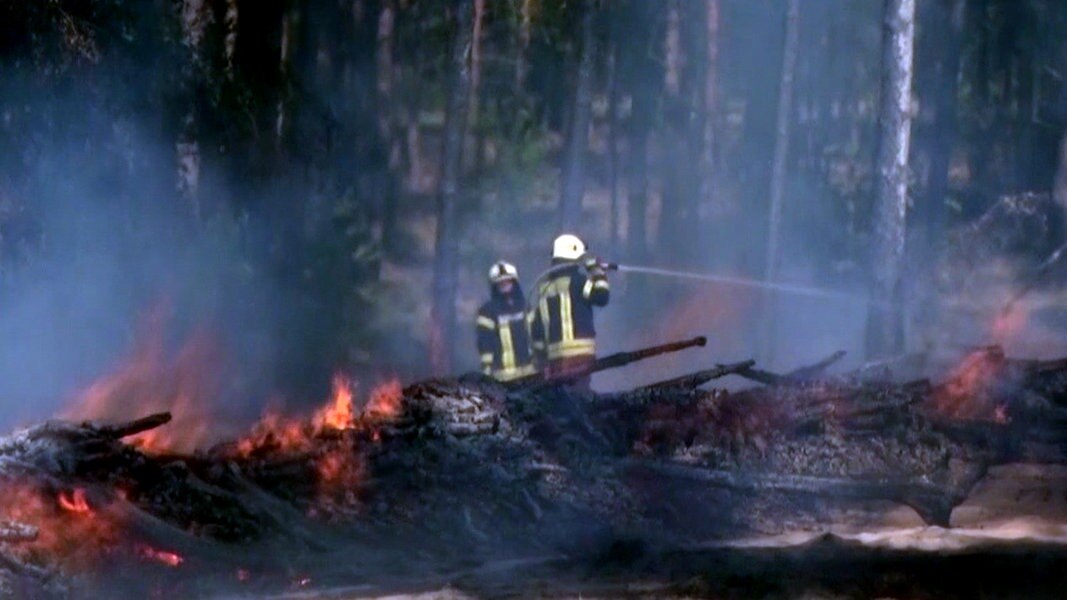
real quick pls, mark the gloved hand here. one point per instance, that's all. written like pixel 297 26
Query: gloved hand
pixel 594 266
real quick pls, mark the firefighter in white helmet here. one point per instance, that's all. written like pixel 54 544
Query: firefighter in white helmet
pixel 561 324
pixel 503 340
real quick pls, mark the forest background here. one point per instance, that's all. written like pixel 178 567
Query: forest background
pixel 322 184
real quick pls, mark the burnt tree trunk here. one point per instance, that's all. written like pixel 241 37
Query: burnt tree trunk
pixel 778 170
pixel 446 244
pixel 573 186
pixel 884 319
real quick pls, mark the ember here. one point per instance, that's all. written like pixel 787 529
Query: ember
pixel 74 502
pixel 169 559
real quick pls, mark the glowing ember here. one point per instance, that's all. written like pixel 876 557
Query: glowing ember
pixel 74 502
pixel 65 522
pixel 169 559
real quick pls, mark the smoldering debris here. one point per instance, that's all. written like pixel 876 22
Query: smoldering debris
pixel 522 471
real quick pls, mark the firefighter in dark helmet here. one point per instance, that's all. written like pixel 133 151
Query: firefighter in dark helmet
pixel 503 340
pixel 561 324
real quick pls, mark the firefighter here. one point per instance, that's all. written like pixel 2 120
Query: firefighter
pixel 561 323
pixel 503 340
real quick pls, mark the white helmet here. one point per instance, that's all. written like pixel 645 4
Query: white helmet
pixel 568 247
pixel 502 271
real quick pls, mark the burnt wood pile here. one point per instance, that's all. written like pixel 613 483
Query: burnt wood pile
pixel 521 468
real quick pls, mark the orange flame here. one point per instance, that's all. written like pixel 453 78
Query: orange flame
pixel 74 502
pixel 385 400
pixel 338 413
pixel 150 381
pixel 966 393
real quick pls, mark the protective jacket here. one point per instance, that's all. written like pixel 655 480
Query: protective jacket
pixel 503 340
pixel 561 324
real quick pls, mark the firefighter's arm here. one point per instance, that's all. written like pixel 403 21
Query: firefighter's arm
pixel 486 336
pixel 595 290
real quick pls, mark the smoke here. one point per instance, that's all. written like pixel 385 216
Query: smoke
pixel 94 237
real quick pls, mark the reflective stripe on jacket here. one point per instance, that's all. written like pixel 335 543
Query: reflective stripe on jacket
pixel 503 341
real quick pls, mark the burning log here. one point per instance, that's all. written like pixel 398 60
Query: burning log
pixel 121 430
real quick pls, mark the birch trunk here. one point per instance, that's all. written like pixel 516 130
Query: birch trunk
pixel 885 323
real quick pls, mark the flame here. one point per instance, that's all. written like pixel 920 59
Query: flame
pixel 966 393
pixel 149 381
pixel 330 438
pixel 385 400
pixel 338 413
pixel 74 502
pixel 170 559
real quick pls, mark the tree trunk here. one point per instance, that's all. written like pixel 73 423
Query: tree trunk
pixel 672 135
pixel 613 142
pixel 472 138
pixel 446 245
pixel 778 172
pixel 884 319
pixel 387 122
pixel 521 62
pixel 639 77
pixel 573 185
pixel 1059 183
pixel 685 115
pixel 944 44
pixel 195 16
pixel 230 40
pixel 710 101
